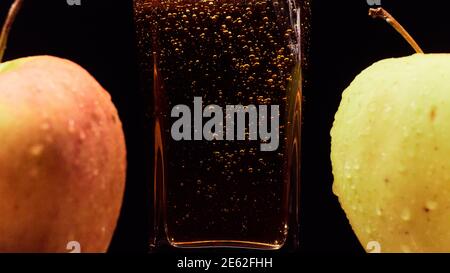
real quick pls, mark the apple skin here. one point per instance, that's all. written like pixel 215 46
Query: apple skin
pixel 62 158
pixel 390 152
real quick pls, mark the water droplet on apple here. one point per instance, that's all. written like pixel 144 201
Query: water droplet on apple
pixel 45 126
pixel 36 150
pixel 82 135
pixel 49 139
pixel 431 205
pixel 34 172
pixel 379 212
pixel 71 125
pixel 405 249
pixel 405 215
pixel 387 109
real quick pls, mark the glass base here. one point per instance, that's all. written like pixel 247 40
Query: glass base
pixel 226 244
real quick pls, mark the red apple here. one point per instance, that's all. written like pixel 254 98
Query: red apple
pixel 62 158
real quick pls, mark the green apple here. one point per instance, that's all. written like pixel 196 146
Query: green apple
pixel 62 158
pixel 390 153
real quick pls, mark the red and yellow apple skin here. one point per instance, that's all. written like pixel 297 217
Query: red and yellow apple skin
pixel 62 158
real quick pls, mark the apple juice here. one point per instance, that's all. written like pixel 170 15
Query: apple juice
pixel 225 78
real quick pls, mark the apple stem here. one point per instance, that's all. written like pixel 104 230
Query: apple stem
pixel 383 14
pixel 13 11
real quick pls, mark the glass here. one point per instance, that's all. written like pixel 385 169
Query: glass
pixel 225 83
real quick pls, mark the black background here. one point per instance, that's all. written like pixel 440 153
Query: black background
pixel 99 35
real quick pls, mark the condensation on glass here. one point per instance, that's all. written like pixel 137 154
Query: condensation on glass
pixel 228 52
